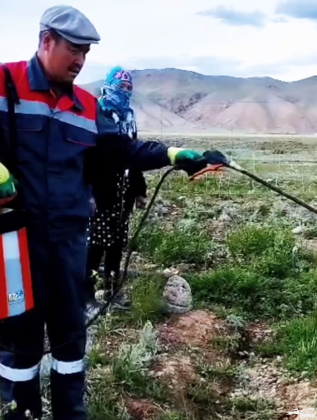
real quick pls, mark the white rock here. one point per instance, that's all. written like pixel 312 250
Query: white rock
pixel 298 230
pixel 167 272
pixel 178 295
pixel 100 295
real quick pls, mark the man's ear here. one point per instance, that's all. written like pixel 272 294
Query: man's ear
pixel 46 40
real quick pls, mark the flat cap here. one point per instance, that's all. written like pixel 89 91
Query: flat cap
pixel 71 24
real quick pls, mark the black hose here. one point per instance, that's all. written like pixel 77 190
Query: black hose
pixel 276 189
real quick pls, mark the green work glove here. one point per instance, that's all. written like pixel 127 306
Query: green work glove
pixel 188 160
pixel 7 184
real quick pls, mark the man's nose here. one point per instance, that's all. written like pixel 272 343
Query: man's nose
pixel 80 60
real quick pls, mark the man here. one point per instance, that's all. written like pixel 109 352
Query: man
pixel 63 144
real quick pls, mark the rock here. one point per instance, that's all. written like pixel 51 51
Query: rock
pixel 161 210
pixel 224 218
pixel 298 230
pixel 182 268
pixel 230 209
pixel 309 245
pixel 100 295
pixel 178 296
pixel 167 272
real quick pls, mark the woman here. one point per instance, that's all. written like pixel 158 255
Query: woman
pixel 108 228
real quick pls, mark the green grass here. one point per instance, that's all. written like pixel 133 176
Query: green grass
pixel 265 278
pixel 231 185
pixel 147 298
pixel 180 243
pixel 251 270
pixel 296 341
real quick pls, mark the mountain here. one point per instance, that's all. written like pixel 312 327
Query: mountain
pixel 174 100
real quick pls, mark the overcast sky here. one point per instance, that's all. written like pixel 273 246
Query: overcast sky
pixel 252 38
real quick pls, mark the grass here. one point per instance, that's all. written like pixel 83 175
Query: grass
pixel 123 375
pixel 296 341
pixel 265 278
pixel 242 262
pixel 147 300
pixel 179 243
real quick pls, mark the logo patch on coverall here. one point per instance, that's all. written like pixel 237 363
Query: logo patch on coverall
pixel 16 297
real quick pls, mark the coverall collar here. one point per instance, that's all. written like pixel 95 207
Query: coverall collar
pixel 39 82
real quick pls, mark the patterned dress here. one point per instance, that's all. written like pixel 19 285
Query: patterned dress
pixel 110 227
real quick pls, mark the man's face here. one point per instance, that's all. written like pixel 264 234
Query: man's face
pixel 64 60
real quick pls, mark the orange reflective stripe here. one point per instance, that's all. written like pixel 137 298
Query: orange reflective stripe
pixel 25 269
pixel 4 310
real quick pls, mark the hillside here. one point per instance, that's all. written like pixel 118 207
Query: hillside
pixel 172 99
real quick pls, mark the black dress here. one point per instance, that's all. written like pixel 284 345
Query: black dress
pixel 108 228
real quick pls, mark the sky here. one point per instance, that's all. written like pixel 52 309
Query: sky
pixel 243 38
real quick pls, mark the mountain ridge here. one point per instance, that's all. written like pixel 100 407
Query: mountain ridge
pixel 179 99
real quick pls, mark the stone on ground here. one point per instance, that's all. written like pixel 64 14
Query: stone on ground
pixel 177 295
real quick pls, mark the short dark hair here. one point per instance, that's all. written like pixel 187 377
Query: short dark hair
pixel 57 37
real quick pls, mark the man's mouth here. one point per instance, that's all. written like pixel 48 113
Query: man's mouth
pixel 74 72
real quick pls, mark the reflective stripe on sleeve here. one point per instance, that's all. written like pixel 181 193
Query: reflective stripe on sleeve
pixel 67 368
pixel 19 375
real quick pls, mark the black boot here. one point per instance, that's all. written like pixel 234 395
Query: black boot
pixel 20 398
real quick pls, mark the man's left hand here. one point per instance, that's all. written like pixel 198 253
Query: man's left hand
pixel 188 160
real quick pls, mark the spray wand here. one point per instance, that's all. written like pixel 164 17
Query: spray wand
pixel 216 160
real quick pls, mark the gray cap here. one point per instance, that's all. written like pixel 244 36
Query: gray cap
pixel 69 23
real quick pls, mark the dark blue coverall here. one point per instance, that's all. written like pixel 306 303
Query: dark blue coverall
pixel 62 151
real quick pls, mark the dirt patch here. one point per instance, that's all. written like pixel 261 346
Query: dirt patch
pixel 267 380
pixel 112 341
pixel 141 409
pixel 300 396
pixel 194 329
pixel 178 370
pixel 258 333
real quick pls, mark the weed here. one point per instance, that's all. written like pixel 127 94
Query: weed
pixel 131 363
pixel 269 249
pixel 251 408
pixel 181 243
pixel 147 300
pixel 297 341
pixel 105 401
